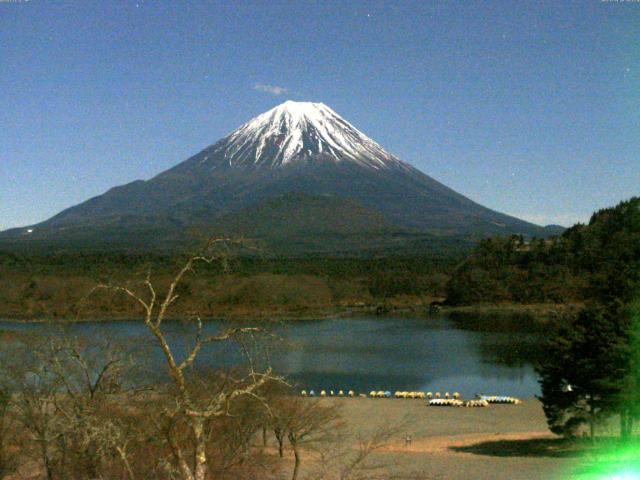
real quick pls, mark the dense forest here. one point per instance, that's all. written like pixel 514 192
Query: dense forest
pixel 573 267
pixel 57 286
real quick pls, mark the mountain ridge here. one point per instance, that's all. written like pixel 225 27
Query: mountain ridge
pixel 296 147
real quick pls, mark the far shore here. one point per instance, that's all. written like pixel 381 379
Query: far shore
pixel 539 313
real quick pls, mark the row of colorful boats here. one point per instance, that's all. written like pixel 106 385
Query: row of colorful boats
pixel 436 400
pixel 481 401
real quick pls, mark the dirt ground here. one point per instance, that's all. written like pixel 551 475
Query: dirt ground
pixel 499 442
pixel 496 442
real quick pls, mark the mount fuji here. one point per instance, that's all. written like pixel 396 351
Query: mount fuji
pixel 299 177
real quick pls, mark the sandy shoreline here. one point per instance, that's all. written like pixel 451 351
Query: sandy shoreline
pixel 497 442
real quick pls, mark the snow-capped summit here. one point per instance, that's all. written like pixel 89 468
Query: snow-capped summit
pixel 300 131
pixel 298 176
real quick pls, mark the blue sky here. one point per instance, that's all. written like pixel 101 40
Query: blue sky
pixel 530 108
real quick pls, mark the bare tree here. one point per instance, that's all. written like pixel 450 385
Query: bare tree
pixel 359 465
pixel 64 389
pixel 93 376
pixel 303 422
pixel 310 422
pixel 189 407
pixel 231 451
pixel 6 461
pixel 346 455
pixel 34 404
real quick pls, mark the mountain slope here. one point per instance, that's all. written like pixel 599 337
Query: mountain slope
pixel 296 147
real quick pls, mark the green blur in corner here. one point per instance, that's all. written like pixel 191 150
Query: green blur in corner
pixel 619 462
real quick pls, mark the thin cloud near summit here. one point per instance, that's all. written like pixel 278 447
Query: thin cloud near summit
pixel 272 89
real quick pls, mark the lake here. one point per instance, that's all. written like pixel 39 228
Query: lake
pixel 363 354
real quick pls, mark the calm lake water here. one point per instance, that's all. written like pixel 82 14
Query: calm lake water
pixel 362 354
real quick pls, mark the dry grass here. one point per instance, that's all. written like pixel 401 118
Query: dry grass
pixel 262 295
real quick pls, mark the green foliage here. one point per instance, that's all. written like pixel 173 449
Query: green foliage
pixel 596 261
pixel 510 269
pixel 583 371
pixel 598 355
pixel 610 252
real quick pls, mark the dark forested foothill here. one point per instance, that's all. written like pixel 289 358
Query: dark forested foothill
pixel 586 261
pixel 512 269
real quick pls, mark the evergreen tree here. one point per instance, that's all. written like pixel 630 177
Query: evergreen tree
pixel 583 373
pixel 629 398
pixel 592 369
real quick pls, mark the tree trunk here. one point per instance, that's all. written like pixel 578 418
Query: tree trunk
pixel 592 421
pixel 624 417
pixel 123 456
pixel 280 438
pixel 296 465
pixel 48 471
pixel 626 424
pixel 264 435
pixel 44 451
pixel 185 470
pixel 197 424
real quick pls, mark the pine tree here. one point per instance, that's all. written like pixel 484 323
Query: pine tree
pixel 583 374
